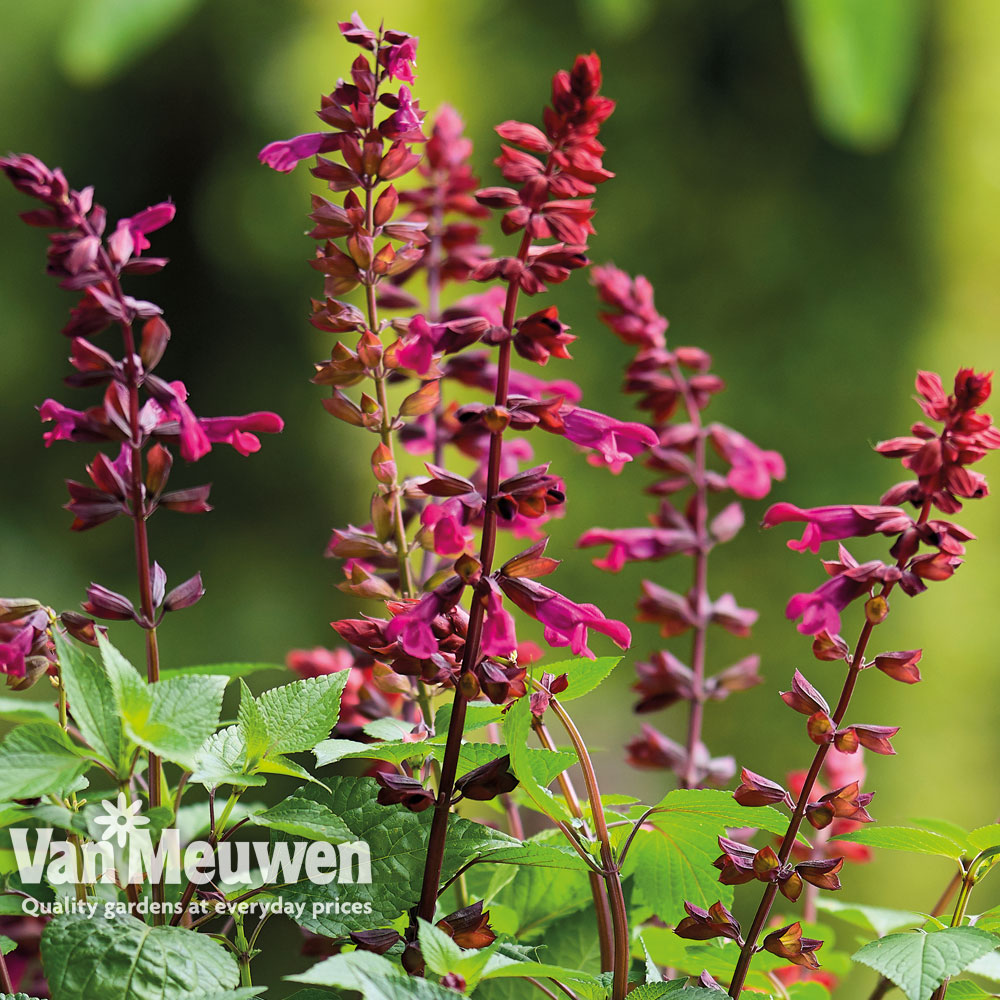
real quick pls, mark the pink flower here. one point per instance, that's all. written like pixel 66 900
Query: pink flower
pixel 411 626
pixel 285 156
pixel 637 321
pixel 419 344
pixel 499 637
pixel 824 524
pixel 636 545
pixel 241 432
pixel 146 221
pixel 445 520
pixel 566 622
pixel 615 441
pixel 820 609
pixel 400 59
pixel 14 651
pixel 752 468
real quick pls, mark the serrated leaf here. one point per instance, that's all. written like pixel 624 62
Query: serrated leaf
pixel 7 945
pixel 984 837
pixel 126 959
pixel 252 726
pixel 477 715
pixel 231 670
pixel 397 840
pixel 443 955
pixel 275 763
pixel 221 760
pixel 374 977
pixel 387 729
pixel 302 817
pixel 582 983
pixel 301 714
pixel 918 963
pixel 38 759
pixel 652 991
pixel 965 990
pixel 906 838
pixel 23 709
pixel 943 826
pixel 516 730
pixel 92 702
pixel 539 897
pixel 870 918
pixel 584 675
pixel 173 718
pixel 988 966
pixel 126 682
pixel 717 809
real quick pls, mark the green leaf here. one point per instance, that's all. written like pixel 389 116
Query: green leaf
pixel 943 826
pixel 374 977
pixel 870 918
pixel 252 726
pixel 651 991
pixel 477 715
pixel 918 963
pixel 126 682
pixel 584 675
pixel 443 955
pixel 585 985
pixel 221 760
pixel 24 709
pixel 516 729
pixel 92 701
pixel 715 808
pixel 6 945
pixel 245 993
pixel 397 840
pixel 387 728
pixel 301 714
pixel 38 759
pixel 906 838
pixel 984 837
pixel 965 990
pixel 126 959
pixel 861 59
pixel 231 670
pixel 102 37
pixel 302 817
pixel 573 942
pixel 173 718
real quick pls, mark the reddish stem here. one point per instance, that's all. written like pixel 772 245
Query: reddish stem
pixel 764 909
pixel 139 516
pixel 689 779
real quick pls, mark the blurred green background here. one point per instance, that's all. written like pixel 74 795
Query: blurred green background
pixel 814 189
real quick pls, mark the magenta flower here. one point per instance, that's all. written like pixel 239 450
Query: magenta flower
pixel 499 636
pixel 752 468
pixel 285 156
pixel 451 538
pixel 411 626
pixel 399 60
pixel 419 344
pixel 566 623
pixel 13 653
pixel 615 441
pixel 241 432
pixel 824 524
pixel 820 609
pixel 637 544
pixel 146 221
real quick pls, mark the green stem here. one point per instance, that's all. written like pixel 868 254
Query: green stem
pixel 242 951
pixel 612 876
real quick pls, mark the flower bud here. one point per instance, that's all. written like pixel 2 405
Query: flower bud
pixel 876 610
pixel 369 350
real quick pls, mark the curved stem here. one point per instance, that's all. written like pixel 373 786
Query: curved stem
pixel 5 981
pixel 784 852
pixel 602 907
pixel 612 876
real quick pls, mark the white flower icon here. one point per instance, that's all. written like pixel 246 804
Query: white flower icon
pixel 122 819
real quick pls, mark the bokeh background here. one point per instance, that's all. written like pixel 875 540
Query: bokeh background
pixel 812 186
